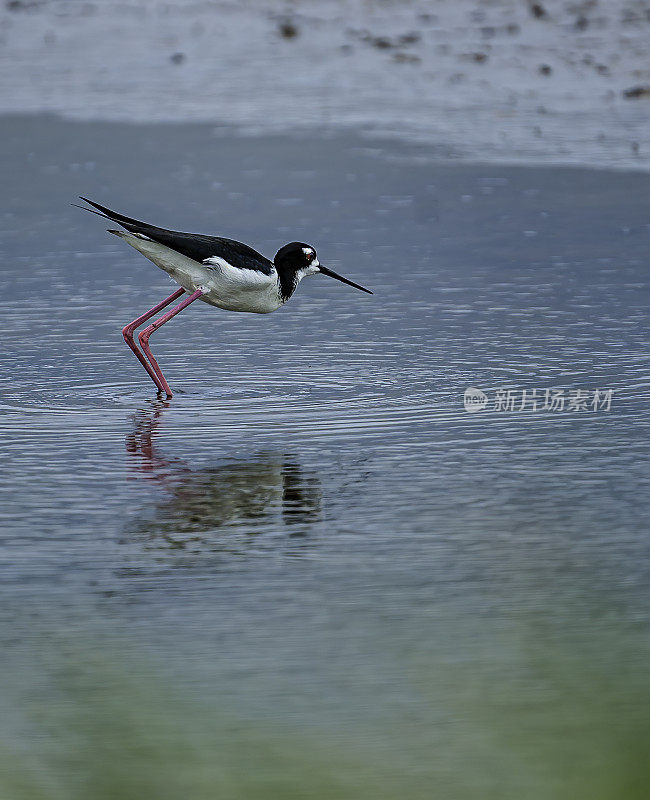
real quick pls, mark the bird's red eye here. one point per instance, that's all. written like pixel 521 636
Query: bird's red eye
pixel 310 256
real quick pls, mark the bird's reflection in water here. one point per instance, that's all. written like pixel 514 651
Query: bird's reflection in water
pixel 260 494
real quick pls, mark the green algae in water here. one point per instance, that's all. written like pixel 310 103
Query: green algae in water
pixel 540 721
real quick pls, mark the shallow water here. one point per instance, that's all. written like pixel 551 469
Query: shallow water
pixel 313 532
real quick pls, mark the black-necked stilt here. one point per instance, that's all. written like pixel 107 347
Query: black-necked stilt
pixel 221 272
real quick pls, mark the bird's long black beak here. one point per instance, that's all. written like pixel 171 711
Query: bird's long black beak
pixel 338 277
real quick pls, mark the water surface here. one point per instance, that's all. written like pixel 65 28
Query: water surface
pixel 313 533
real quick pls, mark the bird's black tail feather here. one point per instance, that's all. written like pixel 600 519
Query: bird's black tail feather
pixel 126 222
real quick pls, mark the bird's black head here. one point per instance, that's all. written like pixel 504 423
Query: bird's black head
pixel 295 261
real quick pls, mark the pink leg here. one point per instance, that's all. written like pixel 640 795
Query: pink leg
pixel 129 330
pixel 146 333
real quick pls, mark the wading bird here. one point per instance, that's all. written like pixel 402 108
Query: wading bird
pixel 219 271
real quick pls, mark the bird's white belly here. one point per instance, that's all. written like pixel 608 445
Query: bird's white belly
pixel 223 285
pixel 238 294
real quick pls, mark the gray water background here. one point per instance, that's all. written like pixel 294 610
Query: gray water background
pixel 313 533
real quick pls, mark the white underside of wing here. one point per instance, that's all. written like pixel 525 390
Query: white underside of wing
pixel 224 286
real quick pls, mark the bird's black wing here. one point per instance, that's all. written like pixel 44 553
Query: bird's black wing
pixel 193 245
